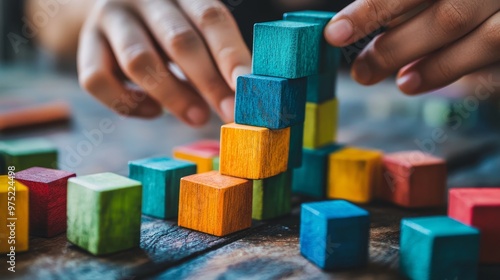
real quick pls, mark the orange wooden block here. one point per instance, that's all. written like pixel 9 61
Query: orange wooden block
pixel 202 153
pixel 35 115
pixel 413 179
pixel 253 152
pixel 215 204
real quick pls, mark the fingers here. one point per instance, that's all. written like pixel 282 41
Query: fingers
pixel 140 62
pixel 460 58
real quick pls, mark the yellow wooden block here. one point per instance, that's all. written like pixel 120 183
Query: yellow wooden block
pixel 253 152
pixel 201 153
pixel 320 126
pixel 13 216
pixel 354 174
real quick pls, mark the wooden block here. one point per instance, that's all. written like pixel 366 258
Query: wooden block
pixel 14 217
pixel 253 152
pixel 354 174
pixel 215 204
pixel 48 191
pixel 334 234
pixel 104 213
pixel 270 102
pixel 310 179
pixel 215 164
pixel 272 196
pixel 286 49
pixel 320 126
pixel 295 150
pixel 321 87
pixel 438 248
pixel 413 179
pixel 160 178
pixel 480 208
pixel 35 115
pixel 201 153
pixel 26 153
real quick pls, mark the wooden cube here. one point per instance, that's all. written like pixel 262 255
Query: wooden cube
pixel 26 153
pixel 48 191
pixel 252 152
pixel 270 102
pixel 321 87
pixel 480 208
pixel 272 196
pixel 413 179
pixel 334 234
pixel 311 178
pixel 104 213
pixel 202 153
pixel 160 178
pixel 438 248
pixel 286 49
pixel 295 149
pixel 14 216
pixel 354 174
pixel 320 127
pixel 215 204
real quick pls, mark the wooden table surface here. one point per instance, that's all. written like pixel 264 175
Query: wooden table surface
pixel 378 117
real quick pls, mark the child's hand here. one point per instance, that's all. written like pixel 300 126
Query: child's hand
pixel 445 41
pixel 137 39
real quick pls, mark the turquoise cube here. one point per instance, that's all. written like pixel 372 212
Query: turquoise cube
pixel 295 150
pixel 286 49
pixel 438 248
pixel 334 234
pixel 321 87
pixel 160 178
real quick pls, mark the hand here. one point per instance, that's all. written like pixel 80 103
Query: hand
pixel 135 40
pixel 445 41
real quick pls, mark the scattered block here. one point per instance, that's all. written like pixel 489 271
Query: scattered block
pixel 253 152
pixel 480 208
pixel 47 195
pixel 413 179
pixel 160 178
pixel 215 204
pixel 295 149
pixel 104 213
pixel 272 196
pixel 321 87
pixel 354 174
pixel 202 153
pixel 26 153
pixel 215 164
pixel 286 49
pixel 438 248
pixel 320 125
pixel 334 234
pixel 311 178
pixel 14 217
pixel 270 102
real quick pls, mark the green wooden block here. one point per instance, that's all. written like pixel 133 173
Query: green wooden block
pixel 104 213
pixel 27 153
pixel 286 49
pixel 160 178
pixel 321 87
pixel 215 163
pixel 272 196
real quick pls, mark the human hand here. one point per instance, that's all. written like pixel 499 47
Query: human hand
pixel 445 41
pixel 135 40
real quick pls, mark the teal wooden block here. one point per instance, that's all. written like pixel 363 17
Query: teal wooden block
pixel 270 102
pixel 27 153
pixel 272 196
pixel 215 163
pixel 311 178
pixel 321 87
pixel 160 178
pixel 104 213
pixel 286 49
pixel 438 248
pixel 295 150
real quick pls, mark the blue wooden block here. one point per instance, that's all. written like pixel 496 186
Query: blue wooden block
pixel 286 49
pixel 438 248
pixel 160 179
pixel 334 234
pixel 295 150
pixel 270 102
pixel 321 87
pixel 311 178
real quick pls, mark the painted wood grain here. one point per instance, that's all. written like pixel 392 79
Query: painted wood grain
pixel 14 216
pixel 28 152
pixel 320 126
pixel 272 196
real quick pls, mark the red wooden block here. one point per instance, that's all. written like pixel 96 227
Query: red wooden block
pixel 47 196
pixel 413 179
pixel 480 208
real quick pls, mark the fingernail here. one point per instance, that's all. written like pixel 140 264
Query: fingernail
pixel 339 32
pixel 361 72
pixel 409 82
pixel 239 71
pixel 196 115
pixel 227 108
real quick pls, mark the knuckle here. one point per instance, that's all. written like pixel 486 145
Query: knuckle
pixel 451 18
pixel 210 14
pixel 383 54
pixel 491 33
pixel 93 80
pixel 106 8
pixel 136 61
pixel 182 39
